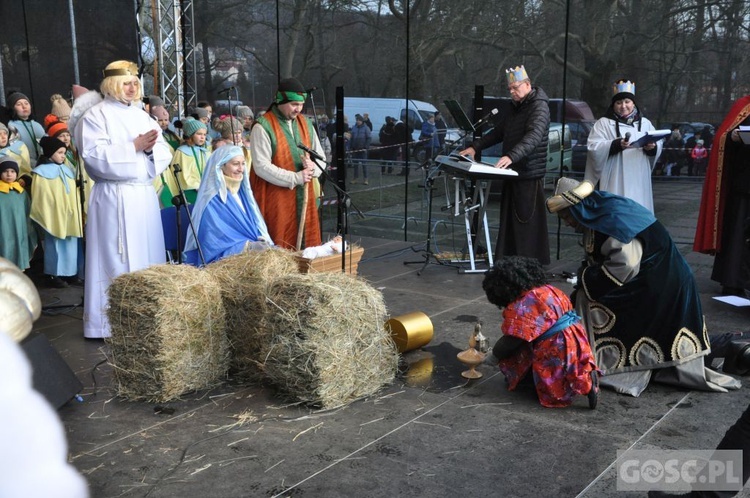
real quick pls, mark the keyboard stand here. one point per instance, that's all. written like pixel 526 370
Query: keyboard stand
pixel 466 205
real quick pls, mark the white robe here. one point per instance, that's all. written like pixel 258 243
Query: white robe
pixel 123 231
pixel 628 173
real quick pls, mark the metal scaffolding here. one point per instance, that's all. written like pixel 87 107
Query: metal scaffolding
pixel 176 55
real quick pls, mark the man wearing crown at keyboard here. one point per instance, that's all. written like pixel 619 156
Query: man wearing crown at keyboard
pixel 614 161
pixel 524 133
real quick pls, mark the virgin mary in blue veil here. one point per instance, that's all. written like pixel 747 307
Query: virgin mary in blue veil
pixel 226 216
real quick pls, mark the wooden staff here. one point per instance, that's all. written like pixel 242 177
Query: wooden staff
pixel 303 215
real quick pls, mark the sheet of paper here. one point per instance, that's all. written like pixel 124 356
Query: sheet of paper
pixel 733 300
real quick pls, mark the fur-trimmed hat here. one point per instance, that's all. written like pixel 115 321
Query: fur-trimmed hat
pixel 60 107
pixel 192 125
pixel 50 145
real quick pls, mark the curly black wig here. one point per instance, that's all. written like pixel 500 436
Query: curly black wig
pixel 511 277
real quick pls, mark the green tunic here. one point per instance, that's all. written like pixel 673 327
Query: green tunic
pixel 14 227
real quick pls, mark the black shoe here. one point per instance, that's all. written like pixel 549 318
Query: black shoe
pixel 74 280
pixel 593 394
pixel 56 282
pixel 732 291
pixel 737 358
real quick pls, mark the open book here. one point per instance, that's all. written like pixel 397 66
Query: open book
pixel 650 137
pixel 744 132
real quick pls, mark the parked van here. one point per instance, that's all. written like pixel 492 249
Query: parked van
pixel 416 113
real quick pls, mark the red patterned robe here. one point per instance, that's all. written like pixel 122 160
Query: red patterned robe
pixel 562 363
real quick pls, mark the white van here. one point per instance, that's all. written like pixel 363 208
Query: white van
pixel 416 113
pixel 379 108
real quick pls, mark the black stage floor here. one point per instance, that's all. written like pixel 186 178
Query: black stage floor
pixel 430 433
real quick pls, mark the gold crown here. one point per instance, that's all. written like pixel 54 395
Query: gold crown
pixel 515 74
pixel 568 192
pixel 623 86
pixel 121 68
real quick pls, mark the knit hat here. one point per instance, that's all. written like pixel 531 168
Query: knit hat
pixel 199 113
pixel 7 162
pixel 290 90
pixel 4 128
pixel 60 107
pixel 50 145
pixel 155 100
pixel 192 125
pixel 54 126
pixel 243 111
pixel 159 112
pixel 226 124
pixel 14 97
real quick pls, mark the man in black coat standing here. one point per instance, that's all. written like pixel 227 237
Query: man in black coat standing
pixel 524 132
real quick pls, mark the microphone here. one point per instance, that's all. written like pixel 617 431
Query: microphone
pixel 226 90
pixel 486 117
pixel 627 137
pixel 311 89
pixel 311 152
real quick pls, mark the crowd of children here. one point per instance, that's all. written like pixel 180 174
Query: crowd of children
pixel 44 187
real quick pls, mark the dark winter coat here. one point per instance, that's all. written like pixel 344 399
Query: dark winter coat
pixel 524 133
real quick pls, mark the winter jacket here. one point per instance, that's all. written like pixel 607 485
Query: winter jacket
pixel 525 134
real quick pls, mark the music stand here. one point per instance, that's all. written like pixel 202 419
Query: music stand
pixel 459 116
pixel 429 256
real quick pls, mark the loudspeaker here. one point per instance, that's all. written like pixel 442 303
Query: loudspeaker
pixel 53 378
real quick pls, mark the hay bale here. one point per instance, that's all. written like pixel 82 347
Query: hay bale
pixel 168 333
pixel 244 279
pixel 328 343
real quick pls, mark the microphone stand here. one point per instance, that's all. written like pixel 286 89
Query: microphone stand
pixel 345 201
pixel 180 200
